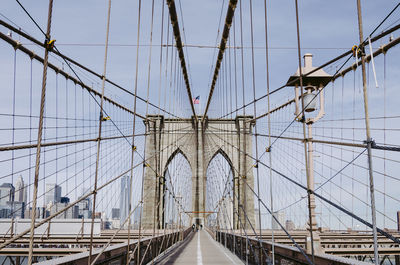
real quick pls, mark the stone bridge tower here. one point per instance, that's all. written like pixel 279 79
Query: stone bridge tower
pixel 199 143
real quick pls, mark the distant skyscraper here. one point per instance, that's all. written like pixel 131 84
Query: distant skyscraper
pixel 20 190
pixel 17 209
pixel 71 213
pixel 53 193
pixel 124 199
pixel 115 213
pixel 7 191
pixel 84 208
pixel 64 200
pixel 136 215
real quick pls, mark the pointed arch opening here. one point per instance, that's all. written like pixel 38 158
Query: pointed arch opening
pixel 177 191
pixel 220 191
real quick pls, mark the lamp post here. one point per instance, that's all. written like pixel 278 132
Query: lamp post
pixel 313 85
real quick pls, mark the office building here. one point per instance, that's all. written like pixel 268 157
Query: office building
pixel 53 193
pixel 20 190
pixel 71 213
pixel 115 213
pixel 85 208
pixel 7 192
pixel 124 199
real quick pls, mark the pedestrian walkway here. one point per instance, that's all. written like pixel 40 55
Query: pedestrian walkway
pixel 201 250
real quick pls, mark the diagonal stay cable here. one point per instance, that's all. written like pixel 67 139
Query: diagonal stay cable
pixel 341 56
pixel 261 201
pixel 328 180
pixel 69 65
pixel 382 232
pixel 63 56
pixel 16 237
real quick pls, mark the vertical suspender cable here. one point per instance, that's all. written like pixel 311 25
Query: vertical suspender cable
pixel 13 130
pixel 147 109
pixel 242 58
pixel 368 134
pixel 384 138
pixel 243 157
pixel 255 128
pixel 133 140
pixel 99 135
pixel 304 132
pixel 269 130
pixel 30 128
pixel 40 131
pixel 161 57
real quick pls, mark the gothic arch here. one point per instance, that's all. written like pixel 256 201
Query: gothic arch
pixel 225 155
pixel 172 156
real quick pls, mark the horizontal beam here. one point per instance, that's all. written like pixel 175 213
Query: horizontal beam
pixel 28 146
pixel 374 146
pixel 38 252
pixel 346 251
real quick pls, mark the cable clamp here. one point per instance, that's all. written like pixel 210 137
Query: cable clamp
pixel 268 149
pixel 17 45
pixel 33 55
pixel 133 148
pixel 358 51
pixel 49 44
pixel 102 118
pixel 301 119
pixel 371 142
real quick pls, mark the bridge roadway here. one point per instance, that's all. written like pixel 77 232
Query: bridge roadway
pixel 200 249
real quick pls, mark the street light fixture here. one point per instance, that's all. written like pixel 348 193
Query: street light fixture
pixel 313 84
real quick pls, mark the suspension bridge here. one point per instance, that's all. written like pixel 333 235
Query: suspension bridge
pixel 127 138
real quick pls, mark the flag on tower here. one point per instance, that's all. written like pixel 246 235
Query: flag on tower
pixel 196 100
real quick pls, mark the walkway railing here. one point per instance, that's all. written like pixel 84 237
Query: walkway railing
pixel 148 249
pixel 249 249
